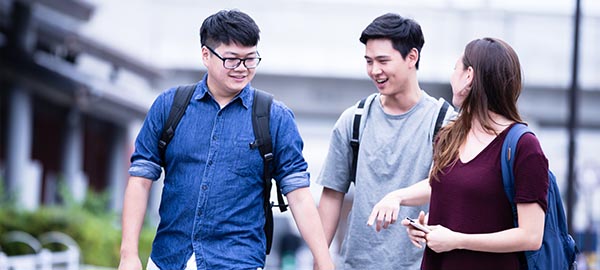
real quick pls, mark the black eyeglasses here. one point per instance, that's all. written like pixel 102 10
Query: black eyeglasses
pixel 233 63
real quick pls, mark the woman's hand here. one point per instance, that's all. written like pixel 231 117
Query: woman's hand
pixel 417 236
pixel 442 239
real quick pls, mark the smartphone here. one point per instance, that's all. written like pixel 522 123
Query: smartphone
pixel 418 225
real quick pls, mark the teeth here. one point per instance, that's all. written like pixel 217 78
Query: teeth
pixel 381 80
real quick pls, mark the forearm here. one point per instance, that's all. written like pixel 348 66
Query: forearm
pixel 511 240
pixel 528 236
pixel 134 210
pixel 310 227
pixel 330 207
pixel 414 195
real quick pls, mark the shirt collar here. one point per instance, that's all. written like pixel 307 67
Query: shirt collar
pixel 244 95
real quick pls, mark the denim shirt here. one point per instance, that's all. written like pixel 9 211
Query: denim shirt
pixel 212 199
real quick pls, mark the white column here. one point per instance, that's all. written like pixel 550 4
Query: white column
pixel 117 169
pixel 74 177
pixel 23 175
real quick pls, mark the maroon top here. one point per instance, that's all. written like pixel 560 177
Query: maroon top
pixel 470 198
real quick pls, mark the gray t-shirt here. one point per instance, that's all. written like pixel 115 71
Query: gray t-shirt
pixel 395 152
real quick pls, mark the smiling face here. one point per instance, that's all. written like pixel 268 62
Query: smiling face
pixel 224 82
pixel 390 72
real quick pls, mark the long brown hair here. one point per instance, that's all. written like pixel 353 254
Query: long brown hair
pixel 496 86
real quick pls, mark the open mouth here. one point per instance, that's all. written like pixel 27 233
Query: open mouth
pixel 238 77
pixel 381 80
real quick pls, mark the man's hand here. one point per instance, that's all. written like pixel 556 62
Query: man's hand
pixel 385 212
pixel 130 263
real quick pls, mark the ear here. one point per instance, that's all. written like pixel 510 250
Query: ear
pixel 205 55
pixel 413 57
pixel 469 73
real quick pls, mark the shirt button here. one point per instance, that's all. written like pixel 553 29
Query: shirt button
pixel 204 187
pixel 209 162
pixel 215 138
pixel 199 212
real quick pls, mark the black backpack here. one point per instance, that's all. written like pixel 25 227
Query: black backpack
pixel 355 141
pixel 261 108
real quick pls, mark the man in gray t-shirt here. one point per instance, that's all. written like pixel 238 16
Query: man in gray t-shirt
pixel 396 135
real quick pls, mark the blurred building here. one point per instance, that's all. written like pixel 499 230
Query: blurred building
pixel 76 77
pixel 61 123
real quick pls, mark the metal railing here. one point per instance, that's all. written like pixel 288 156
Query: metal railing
pixel 41 258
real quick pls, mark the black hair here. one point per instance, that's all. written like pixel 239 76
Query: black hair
pixel 404 33
pixel 227 26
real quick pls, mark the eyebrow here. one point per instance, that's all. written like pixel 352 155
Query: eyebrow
pixel 238 55
pixel 379 57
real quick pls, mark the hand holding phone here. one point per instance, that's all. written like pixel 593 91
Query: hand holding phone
pixel 418 225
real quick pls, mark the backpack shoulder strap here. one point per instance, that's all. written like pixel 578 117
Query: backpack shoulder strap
pixel 507 159
pixel 361 107
pixel 181 100
pixel 261 116
pixel 261 113
pixel 441 116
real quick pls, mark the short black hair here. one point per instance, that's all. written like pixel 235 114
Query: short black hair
pixel 227 26
pixel 404 33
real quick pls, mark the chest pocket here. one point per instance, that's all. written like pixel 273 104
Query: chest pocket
pixel 247 161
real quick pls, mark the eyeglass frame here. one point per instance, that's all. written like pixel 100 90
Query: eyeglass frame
pixel 240 60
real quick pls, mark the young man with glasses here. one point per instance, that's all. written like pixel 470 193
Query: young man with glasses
pixel 211 212
pixel 396 134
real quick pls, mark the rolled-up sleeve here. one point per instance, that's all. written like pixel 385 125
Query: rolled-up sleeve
pixel 145 169
pixel 145 160
pixel 294 181
pixel 289 166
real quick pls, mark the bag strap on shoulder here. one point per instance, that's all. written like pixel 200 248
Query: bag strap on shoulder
pixel 181 100
pixel 360 110
pixel 261 110
pixel 260 123
pixel 440 119
pixel 507 159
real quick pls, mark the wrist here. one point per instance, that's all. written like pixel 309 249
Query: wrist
pixel 398 196
pixel 128 252
pixel 460 240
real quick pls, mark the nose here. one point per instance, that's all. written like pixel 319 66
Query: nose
pixel 240 67
pixel 375 69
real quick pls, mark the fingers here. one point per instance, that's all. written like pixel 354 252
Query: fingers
pixel 405 222
pixel 376 218
pixel 416 237
pixel 372 217
pixel 422 218
pixel 416 243
pixel 382 218
pixel 385 221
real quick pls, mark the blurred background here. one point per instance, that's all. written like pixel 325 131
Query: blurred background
pixel 77 77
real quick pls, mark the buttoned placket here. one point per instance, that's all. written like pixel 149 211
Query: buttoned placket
pixel 209 172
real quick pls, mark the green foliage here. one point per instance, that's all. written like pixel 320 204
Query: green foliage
pixel 95 229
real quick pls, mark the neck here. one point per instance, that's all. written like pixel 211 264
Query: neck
pixel 221 96
pixel 402 101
